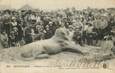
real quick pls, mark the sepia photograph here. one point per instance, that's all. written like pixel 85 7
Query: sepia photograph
pixel 57 34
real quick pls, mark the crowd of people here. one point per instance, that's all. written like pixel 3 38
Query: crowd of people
pixel 20 27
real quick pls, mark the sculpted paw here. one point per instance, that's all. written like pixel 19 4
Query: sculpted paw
pixel 42 56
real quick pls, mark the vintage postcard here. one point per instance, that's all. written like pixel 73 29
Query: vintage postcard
pixel 57 36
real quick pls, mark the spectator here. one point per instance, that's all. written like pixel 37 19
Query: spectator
pixel 4 39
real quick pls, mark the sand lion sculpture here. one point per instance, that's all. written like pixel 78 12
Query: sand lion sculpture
pixel 61 41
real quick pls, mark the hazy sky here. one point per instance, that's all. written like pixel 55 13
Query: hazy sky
pixel 54 4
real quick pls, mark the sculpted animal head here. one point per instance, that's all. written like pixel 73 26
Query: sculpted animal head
pixel 62 33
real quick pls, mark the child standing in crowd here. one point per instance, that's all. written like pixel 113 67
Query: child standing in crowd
pixel 4 39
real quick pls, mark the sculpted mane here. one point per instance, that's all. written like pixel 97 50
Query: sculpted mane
pixel 61 33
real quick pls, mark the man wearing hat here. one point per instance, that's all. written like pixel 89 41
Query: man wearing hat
pixel 89 34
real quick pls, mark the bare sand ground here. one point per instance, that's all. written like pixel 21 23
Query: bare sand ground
pixel 93 55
